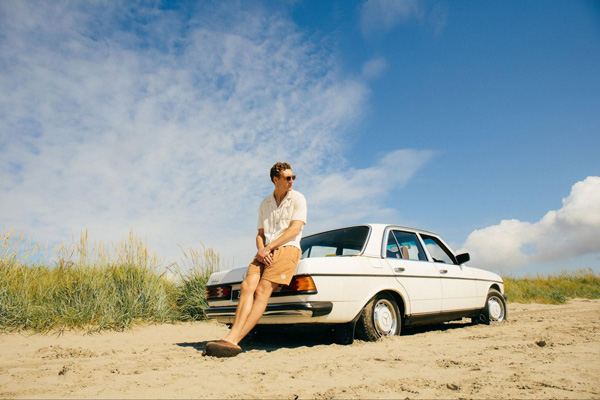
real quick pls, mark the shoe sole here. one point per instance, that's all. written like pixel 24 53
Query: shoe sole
pixel 216 349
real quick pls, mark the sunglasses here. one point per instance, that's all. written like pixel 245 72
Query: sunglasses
pixel 289 178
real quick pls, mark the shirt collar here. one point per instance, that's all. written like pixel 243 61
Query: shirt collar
pixel 285 199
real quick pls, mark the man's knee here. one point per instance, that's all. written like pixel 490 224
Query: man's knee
pixel 249 284
pixel 265 289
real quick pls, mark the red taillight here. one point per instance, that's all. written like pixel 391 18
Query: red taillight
pixel 303 284
pixel 218 292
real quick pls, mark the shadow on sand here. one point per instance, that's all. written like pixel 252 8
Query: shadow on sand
pixel 275 338
pixel 271 338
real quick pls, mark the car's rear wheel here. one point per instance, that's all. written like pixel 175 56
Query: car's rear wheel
pixel 496 306
pixel 380 317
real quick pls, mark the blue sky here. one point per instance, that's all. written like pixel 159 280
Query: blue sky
pixel 479 121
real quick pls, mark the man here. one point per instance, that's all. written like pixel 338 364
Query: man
pixel 281 217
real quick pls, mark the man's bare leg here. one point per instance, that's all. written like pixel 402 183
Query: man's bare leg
pixel 261 299
pixel 244 306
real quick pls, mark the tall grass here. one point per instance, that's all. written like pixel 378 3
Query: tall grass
pixel 198 266
pixel 90 285
pixel 553 289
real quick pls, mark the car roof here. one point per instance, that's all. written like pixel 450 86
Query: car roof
pixel 384 226
pixel 377 227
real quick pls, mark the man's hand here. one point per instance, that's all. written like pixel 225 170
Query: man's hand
pixel 265 255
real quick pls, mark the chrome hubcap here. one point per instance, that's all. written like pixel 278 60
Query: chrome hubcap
pixel 495 309
pixel 385 318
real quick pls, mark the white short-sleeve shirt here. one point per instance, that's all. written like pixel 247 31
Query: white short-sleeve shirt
pixel 275 220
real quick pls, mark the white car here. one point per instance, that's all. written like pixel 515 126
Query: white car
pixel 370 281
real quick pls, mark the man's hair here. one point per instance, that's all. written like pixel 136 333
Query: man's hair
pixel 277 168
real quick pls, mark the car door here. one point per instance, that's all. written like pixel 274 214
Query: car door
pixel 421 279
pixel 459 287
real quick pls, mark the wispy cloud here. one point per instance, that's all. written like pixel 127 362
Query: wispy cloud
pixel 359 195
pixel 382 16
pixel 374 68
pixel 438 18
pixel 571 231
pixel 166 122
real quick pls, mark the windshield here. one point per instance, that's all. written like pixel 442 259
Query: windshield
pixel 340 242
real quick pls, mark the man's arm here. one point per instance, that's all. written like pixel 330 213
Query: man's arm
pixel 264 253
pixel 291 232
pixel 260 239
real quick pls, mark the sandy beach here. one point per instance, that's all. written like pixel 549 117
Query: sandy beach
pixel 542 351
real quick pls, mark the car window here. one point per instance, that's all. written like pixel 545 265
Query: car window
pixel 437 250
pixel 404 245
pixel 340 242
pixel 322 251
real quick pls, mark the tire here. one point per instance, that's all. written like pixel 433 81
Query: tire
pixel 495 306
pixel 380 317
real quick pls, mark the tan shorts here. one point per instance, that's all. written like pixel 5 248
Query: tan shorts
pixel 281 270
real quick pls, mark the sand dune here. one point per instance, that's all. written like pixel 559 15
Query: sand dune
pixel 543 351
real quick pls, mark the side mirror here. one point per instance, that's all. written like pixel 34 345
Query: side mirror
pixel 463 258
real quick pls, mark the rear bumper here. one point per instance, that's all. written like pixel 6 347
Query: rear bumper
pixel 307 309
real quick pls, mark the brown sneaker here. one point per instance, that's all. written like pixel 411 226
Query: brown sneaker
pixel 222 348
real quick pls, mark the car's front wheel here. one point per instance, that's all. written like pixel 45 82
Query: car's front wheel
pixel 496 306
pixel 380 317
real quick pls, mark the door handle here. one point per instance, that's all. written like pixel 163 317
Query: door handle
pixel 399 269
pixel 443 271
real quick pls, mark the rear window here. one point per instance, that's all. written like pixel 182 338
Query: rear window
pixel 340 242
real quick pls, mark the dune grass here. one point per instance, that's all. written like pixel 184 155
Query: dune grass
pixel 96 286
pixel 198 266
pixel 553 289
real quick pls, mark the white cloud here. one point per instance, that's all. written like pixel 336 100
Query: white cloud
pixel 358 195
pixel 383 15
pixel 571 231
pixel 438 18
pixel 114 119
pixel 374 68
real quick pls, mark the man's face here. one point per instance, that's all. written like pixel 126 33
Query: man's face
pixel 284 181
